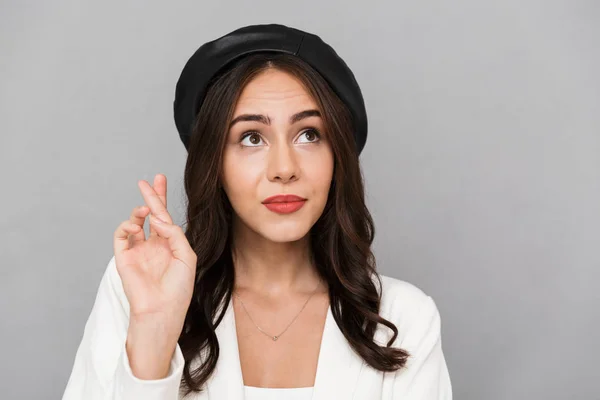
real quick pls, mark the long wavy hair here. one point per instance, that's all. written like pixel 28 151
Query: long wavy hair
pixel 340 240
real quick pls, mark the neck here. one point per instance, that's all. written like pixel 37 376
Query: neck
pixel 272 268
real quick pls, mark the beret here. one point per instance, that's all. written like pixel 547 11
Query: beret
pixel 214 56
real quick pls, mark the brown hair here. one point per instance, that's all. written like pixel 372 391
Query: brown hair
pixel 341 239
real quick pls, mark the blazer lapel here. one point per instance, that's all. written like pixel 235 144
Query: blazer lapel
pixel 227 382
pixel 338 367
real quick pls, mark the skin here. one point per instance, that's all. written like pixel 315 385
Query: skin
pixel 272 250
pixel 157 273
pixel 274 273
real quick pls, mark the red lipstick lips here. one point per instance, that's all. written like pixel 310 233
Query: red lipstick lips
pixel 284 204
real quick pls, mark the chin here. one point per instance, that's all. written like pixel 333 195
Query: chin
pixel 283 232
pixel 279 229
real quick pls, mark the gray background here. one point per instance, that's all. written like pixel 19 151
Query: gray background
pixel 482 168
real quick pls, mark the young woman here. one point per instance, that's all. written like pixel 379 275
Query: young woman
pixel 271 292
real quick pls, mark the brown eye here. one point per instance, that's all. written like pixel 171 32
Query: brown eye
pixel 312 135
pixel 253 139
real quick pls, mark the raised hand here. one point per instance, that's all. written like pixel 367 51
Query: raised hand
pixel 157 273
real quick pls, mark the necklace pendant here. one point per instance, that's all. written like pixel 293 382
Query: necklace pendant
pixel 275 338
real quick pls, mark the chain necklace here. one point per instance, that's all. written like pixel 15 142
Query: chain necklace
pixel 286 328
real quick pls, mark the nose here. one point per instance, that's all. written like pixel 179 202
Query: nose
pixel 283 165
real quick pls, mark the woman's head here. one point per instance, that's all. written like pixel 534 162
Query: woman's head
pixel 293 135
pixel 276 144
pixel 271 125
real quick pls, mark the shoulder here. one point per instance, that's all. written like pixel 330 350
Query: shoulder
pixel 399 295
pixel 405 305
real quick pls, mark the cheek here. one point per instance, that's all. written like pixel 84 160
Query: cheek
pixel 320 169
pixel 240 179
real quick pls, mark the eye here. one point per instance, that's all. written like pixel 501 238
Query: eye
pixel 254 139
pixel 312 133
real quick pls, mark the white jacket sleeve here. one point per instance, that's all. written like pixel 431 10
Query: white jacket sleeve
pixel 425 376
pixel 101 369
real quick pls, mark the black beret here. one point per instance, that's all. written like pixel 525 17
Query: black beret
pixel 213 56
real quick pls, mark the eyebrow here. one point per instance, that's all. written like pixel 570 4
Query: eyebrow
pixel 267 121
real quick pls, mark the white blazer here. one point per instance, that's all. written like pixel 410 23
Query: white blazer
pixel 101 369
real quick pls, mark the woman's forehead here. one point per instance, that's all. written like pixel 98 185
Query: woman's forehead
pixel 274 85
pixel 274 93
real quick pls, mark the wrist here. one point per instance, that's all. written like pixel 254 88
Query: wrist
pixel 150 346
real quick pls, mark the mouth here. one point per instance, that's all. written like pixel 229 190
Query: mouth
pixel 285 207
pixel 283 198
pixel 284 203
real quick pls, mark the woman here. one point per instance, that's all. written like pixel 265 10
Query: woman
pixel 272 290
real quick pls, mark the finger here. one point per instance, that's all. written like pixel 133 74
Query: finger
pixel 138 217
pixel 178 243
pixel 153 201
pixel 160 187
pixel 121 237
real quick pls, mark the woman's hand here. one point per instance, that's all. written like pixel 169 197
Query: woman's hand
pixel 158 275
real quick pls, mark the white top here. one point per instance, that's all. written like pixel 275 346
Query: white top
pixel 101 370
pixel 257 393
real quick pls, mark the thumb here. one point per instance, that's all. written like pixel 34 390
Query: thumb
pixel 177 240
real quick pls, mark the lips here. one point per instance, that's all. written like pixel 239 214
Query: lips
pixel 284 203
pixel 283 198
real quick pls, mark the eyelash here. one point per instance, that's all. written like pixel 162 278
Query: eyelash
pixel 249 133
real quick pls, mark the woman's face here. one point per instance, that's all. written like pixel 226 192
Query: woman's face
pixel 277 145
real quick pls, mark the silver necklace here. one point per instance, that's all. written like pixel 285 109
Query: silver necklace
pixel 275 337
